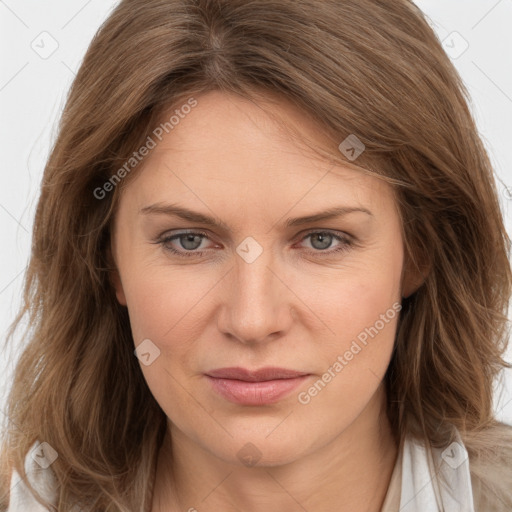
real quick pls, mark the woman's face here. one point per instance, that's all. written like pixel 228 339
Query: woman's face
pixel 263 288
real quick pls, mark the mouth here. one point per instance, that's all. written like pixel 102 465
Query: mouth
pixel 260 387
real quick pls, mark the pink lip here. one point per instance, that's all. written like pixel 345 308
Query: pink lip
pixel 260 387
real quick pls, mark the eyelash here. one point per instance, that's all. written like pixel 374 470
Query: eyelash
pixel 346 243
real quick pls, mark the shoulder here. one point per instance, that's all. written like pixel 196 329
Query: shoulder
pixel 490 463
pixel 39 475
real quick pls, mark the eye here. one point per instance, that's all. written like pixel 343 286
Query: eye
pixel 322 240
pixel 190 241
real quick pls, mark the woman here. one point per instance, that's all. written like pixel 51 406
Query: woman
pixel 269 272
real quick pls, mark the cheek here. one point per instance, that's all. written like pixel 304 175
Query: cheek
pixel 363 314
pixel 362 320
pixel 165 306
pixel 354 297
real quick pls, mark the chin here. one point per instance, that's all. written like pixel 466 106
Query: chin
pixel 258 450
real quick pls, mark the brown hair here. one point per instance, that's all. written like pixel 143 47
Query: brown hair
pixel 371 68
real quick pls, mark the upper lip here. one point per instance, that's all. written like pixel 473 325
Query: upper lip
pixel 260 375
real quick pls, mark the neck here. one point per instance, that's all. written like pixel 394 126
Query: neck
pixel 349 474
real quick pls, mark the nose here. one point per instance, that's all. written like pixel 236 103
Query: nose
pixel 257 302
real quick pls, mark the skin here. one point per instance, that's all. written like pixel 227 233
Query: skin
pixel 295 307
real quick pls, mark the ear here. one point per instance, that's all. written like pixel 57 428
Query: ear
pixel 414 275
pixel 114 277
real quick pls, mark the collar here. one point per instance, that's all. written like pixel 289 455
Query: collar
pixel 438 481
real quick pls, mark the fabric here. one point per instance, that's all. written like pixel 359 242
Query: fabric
pixel 41 477
pixel 412 487
pixel 392 500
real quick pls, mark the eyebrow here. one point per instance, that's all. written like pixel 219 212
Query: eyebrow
pixel 192 216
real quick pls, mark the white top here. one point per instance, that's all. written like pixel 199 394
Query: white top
pixel 411 489
pixel 40 476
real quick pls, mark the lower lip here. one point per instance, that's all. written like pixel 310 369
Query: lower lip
pixel 255 393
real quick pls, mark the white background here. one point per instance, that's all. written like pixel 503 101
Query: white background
pixel 34 84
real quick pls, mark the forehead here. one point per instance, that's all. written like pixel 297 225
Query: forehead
pixel 229 150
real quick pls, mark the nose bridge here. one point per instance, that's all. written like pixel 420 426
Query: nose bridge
pixel 255 304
